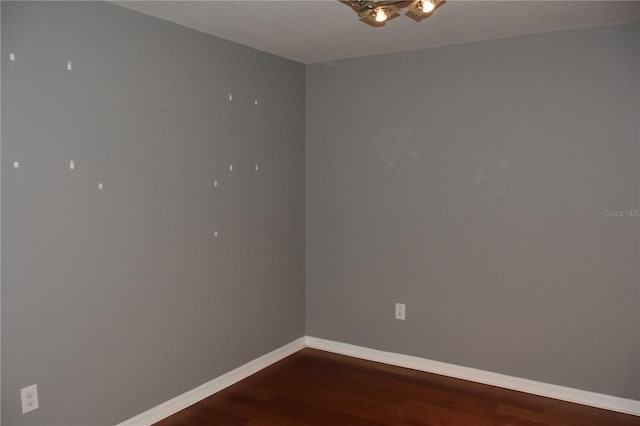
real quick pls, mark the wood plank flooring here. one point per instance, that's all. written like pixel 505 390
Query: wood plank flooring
pixel 314 387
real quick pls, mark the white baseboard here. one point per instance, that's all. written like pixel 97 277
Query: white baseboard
pixel 180 402
pixel 205 390
pixel 608 402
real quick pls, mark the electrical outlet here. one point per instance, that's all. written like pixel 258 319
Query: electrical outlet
pixel 29 398
pixel 400 311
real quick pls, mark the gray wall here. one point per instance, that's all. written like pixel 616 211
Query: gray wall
pixel 118 299
pixel 471 183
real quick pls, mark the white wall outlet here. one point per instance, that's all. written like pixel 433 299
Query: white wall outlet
pixel 29 398
pixel 400 311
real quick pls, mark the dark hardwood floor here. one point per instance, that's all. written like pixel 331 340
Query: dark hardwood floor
pixel 313 387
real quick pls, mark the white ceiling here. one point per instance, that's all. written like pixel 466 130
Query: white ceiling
pixel 311 31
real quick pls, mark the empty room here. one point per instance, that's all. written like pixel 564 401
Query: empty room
pixel 320 212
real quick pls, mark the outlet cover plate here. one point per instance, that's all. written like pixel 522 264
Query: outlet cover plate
pixel 400 311
pixel 29 398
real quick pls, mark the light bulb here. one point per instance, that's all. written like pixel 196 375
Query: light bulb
pixel 381 15
pixel 427 6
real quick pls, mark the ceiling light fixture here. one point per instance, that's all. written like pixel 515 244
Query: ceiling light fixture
pixel 377 12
